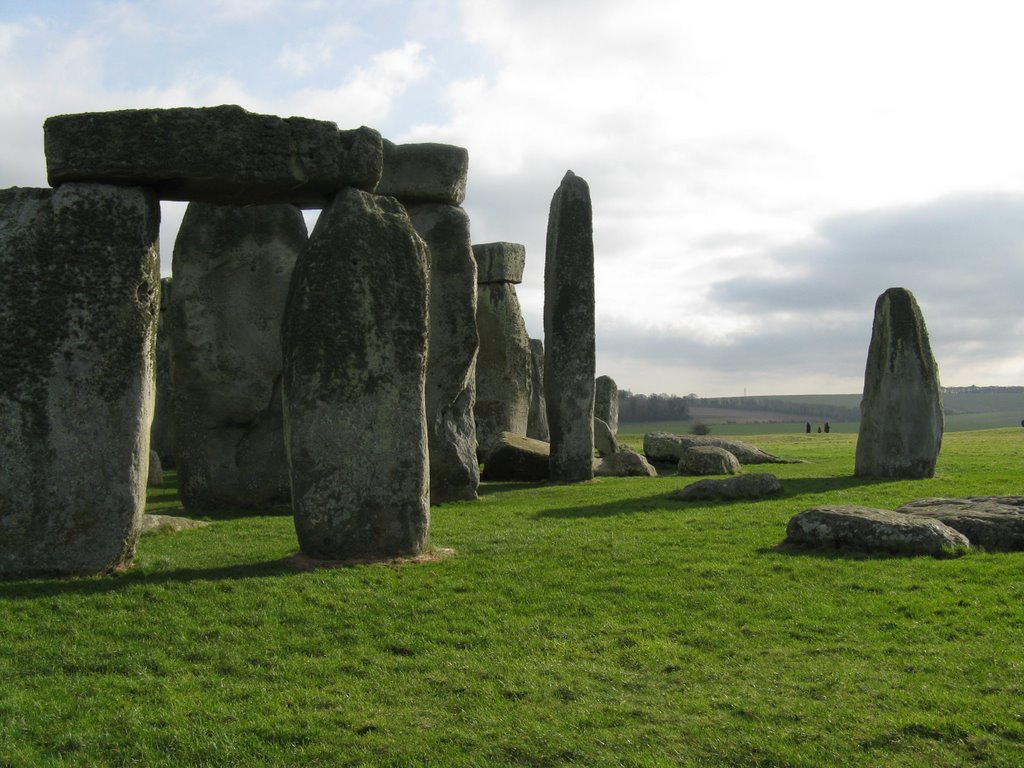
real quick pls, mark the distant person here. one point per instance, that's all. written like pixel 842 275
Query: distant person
pixel 826 427
pixel 819 430
pixel 809 426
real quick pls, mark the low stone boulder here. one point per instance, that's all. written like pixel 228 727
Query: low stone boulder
pixel 873 530
pixel 753 486
pixel 667 447
pixel 604 441
pixel 707 460
pixel 516 457
pixel 993 522
pixel 624 463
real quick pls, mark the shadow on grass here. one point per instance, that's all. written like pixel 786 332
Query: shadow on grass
pixel 491 488
pixel 630 506
pixel 850 553
pixel 804 486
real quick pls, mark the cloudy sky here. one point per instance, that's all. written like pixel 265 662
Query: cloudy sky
pixel 760 171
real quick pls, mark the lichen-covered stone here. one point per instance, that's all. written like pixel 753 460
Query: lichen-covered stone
pixel 569 355
pixel 500 262
pixel 666 447
pixel 537 421
pixel 901 419
pixel 753 486
pixel 355 359
pixel 451 358
pixel 604 441
pixel 78 312
pixel 606 402
pixel 873 530
pixel 162 431
pixel 223 155
pixel 232 267
pixel 624 463
pixel 155 478
pixel 424 173
pixel 707 460
pixel 517 458
pixel 993 522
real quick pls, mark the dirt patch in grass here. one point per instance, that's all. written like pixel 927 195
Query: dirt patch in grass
pixel 302 562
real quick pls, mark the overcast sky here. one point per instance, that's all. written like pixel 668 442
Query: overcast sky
pixel 760 171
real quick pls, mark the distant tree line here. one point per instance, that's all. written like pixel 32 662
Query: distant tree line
pixel 637 407
pixel 988 390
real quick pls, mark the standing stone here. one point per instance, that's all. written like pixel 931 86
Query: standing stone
pixel 78 311
pixel 162 432
pixel 606 402
pixel 232 266
pixel 503 368
pixel 569 358
pixel 451 358
pixel 901 418
pixel 537 424
pixel 355 358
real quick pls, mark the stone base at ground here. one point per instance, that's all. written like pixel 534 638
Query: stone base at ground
pixel 707 460
pixel 873 530
pixel 993 522
pixel 753 486
pixel 518 458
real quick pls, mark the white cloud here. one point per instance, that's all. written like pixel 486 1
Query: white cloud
pixel 316 50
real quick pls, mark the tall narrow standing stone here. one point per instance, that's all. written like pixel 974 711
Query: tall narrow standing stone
pixel 232 267
pixel 606 402
pixel 901 419
pixel 569 357
pixel 162 432
pixel 355 357
pixel 78 312
pixel 537 426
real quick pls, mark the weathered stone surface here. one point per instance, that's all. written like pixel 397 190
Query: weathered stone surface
pixel 162 432
pixel 503 366
pixel 993 522
pixel 901 419
pixel 155 476
pixel 666 447
pixel 223 155
pixel 232 266
pixel 537 422
pixel 424 173
pixel 517 458
pixel 834 527
pixel 169 524
pixel 752 486
pixel 604 441
pixel 624 463
pixel 707 460
pixel 78 311
pixel 500 262
pixel 606 402
pixel 451 358
pixel 355 359
pixel 569 356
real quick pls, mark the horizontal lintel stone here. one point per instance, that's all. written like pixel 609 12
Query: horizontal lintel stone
pixel 424 173
pixel 500 262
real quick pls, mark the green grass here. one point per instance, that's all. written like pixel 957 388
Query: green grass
pixel 597 624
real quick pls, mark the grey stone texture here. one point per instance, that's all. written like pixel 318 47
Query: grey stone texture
pixel 155 477
pixel 606 402
pixel 707 460
pixel 604 441
pixel 753 486
pixel 355 361
pixel 569 355
pixel 624 463
pixel 995 523
pixel 901 418
pixel 162 431
pixel 424 173
pixel 223 155
pixel 451 358
pixel 169 524
pixel 78 312
pixel 503 367
pixel 666 447
pixel 518 458
pixel 873 530
pixel 232 267
pixel 537 421
pixel 500 262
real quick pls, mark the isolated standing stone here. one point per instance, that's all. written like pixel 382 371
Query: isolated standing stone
pixel 901 418
pixel 537 422
pixel 606 402
pixel 78 312
pixel 424 173
pixel 162 431
pixel 355 360
pixel 232 267
pixel 451 359
pixel 503 368
pixel 569 357
pixel 223 155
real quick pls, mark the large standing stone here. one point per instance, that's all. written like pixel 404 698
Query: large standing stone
pixel 424 173
pixel 503 368
pixel 232 266
pixel 451 359
pixel 162 432
pixel 606 402
pixel 355 358
pixel 569 357
pixel 78 311
pixel 222 155
pixel 537 422
pixel 901 417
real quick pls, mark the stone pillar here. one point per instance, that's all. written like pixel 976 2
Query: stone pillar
pixel 569 357
pixel 901 418
pixel 162 433
pixel 78 313
pixel 537 426
pixel 606 402
pixel 355 358
pixel 503 368
pixel 232 266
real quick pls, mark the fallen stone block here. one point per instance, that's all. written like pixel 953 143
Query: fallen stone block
pixel 753 486
pixel 873 530
pixel 993 522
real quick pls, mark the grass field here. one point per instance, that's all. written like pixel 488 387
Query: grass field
pixel 597 624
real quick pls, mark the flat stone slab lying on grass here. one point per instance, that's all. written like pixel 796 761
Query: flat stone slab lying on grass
pixel 667 447
pixel 753 486
pixel 624 463
pixel 707 460
pixel 869 529
pixel 993 522
pixel 169 523
pixel 222 155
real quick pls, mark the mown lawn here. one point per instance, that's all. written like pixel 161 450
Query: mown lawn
pixel 598 624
